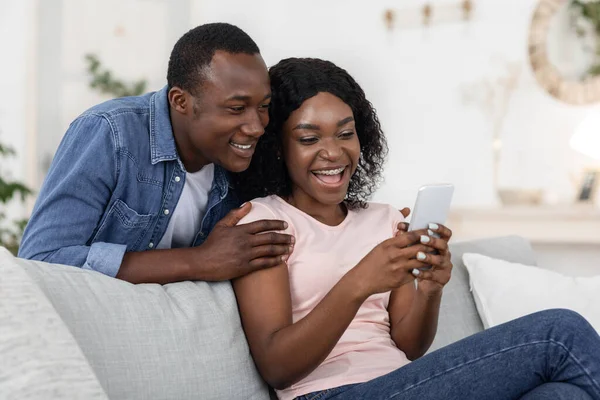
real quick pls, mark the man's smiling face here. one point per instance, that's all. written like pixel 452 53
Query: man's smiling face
pixel 228 113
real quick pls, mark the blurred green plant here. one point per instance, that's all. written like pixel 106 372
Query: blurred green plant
pixel 104 80
pixel 11 231
pixel 585 18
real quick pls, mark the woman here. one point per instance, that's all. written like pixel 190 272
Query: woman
pixel 342 317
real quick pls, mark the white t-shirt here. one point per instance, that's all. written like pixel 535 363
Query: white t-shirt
pixel 189 212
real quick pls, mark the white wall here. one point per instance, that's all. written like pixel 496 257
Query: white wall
pixel 414 77
pixel 16 88
pixel 132 38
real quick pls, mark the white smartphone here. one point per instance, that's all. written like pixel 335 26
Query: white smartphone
pixel 432 206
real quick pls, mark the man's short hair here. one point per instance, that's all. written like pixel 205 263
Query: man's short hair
pixel 194 51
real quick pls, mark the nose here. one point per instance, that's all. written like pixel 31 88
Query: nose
pixel 255 124
pixel 331 150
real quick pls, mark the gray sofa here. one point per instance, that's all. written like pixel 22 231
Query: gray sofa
pixel 68 333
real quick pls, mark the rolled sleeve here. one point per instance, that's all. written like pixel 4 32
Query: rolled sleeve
pixel 105 258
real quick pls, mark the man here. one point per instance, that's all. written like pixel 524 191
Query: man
pixel 138 188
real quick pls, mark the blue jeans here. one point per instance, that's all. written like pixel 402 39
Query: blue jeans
pixel 552 354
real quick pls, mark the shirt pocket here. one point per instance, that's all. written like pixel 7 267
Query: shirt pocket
pixel 123 225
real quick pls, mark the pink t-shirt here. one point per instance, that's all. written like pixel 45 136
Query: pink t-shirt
pixel 322 255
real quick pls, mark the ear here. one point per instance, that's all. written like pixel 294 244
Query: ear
pixel 180 100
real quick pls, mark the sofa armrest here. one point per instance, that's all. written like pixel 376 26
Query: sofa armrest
pixel 40 358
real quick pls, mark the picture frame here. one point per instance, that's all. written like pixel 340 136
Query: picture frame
pixel 588 188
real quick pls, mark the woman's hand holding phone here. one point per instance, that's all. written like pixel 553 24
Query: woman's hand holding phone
pixel 389 265
pixel 434 279
pixel 432 205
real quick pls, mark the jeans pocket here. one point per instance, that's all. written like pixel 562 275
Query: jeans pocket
pixel 123 225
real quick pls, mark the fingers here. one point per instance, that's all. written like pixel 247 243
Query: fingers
pixel 431 259
pixel 440 271
pixel 271 238
pixel 434 274
pixel 402 228
pixel 441 230
pixel 265 225
pixel 410 265
pixel 271 251
pixel 406 239
pixel 234 216
pixel 423 274
pixel 265 262
pixel 441 245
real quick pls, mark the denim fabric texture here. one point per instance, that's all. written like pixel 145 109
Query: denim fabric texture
pixel 551 354
pixel 112 187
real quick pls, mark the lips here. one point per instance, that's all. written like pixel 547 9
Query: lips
pixel 244 150
pixel 240 146
pixel 330 176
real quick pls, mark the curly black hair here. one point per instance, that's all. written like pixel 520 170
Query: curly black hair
pixel 293 81
pixel 194 51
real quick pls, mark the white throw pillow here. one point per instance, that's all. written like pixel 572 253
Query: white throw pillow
pixel 504 291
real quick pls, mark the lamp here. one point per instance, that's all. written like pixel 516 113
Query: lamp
pixel 586 140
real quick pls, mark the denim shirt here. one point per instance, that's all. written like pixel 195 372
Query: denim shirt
pixel 112 187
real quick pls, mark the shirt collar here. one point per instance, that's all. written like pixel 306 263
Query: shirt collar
pixel 162 141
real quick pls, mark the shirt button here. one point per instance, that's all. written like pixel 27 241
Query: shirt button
pixel 201 234
pixel 166 211
pixel 177 179
pixel 150 245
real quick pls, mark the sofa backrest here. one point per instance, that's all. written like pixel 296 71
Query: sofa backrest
pixel 185 340
pixel 177 341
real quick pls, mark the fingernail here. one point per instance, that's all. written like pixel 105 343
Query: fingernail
pixel 293 240
pixel 243 204
pixel 285 225
pixel 430 232
pixel 416 272
pixel 421 256
pixel 291 248
pixel 284 258
pixel 425 239
pixel 434 226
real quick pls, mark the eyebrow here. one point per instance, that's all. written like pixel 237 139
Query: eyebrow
pixel 241 97
pixel 345 121
pixel 314 127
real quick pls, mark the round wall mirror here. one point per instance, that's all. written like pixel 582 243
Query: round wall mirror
pixel 563 52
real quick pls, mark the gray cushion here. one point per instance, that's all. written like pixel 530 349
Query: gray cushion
pixel 177 341
pixel 458 314
pixel 39 359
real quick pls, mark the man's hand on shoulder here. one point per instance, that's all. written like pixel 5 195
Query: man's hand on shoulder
pixel 232 250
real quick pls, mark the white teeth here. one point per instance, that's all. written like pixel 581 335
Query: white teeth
pixel 330 171
pixel 241 146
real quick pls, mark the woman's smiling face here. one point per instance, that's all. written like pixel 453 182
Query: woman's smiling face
pixel 321 149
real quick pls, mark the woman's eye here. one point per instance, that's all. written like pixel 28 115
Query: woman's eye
pixel 237 109
pixel 265 106
pixel 347 135
pixel 308 140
